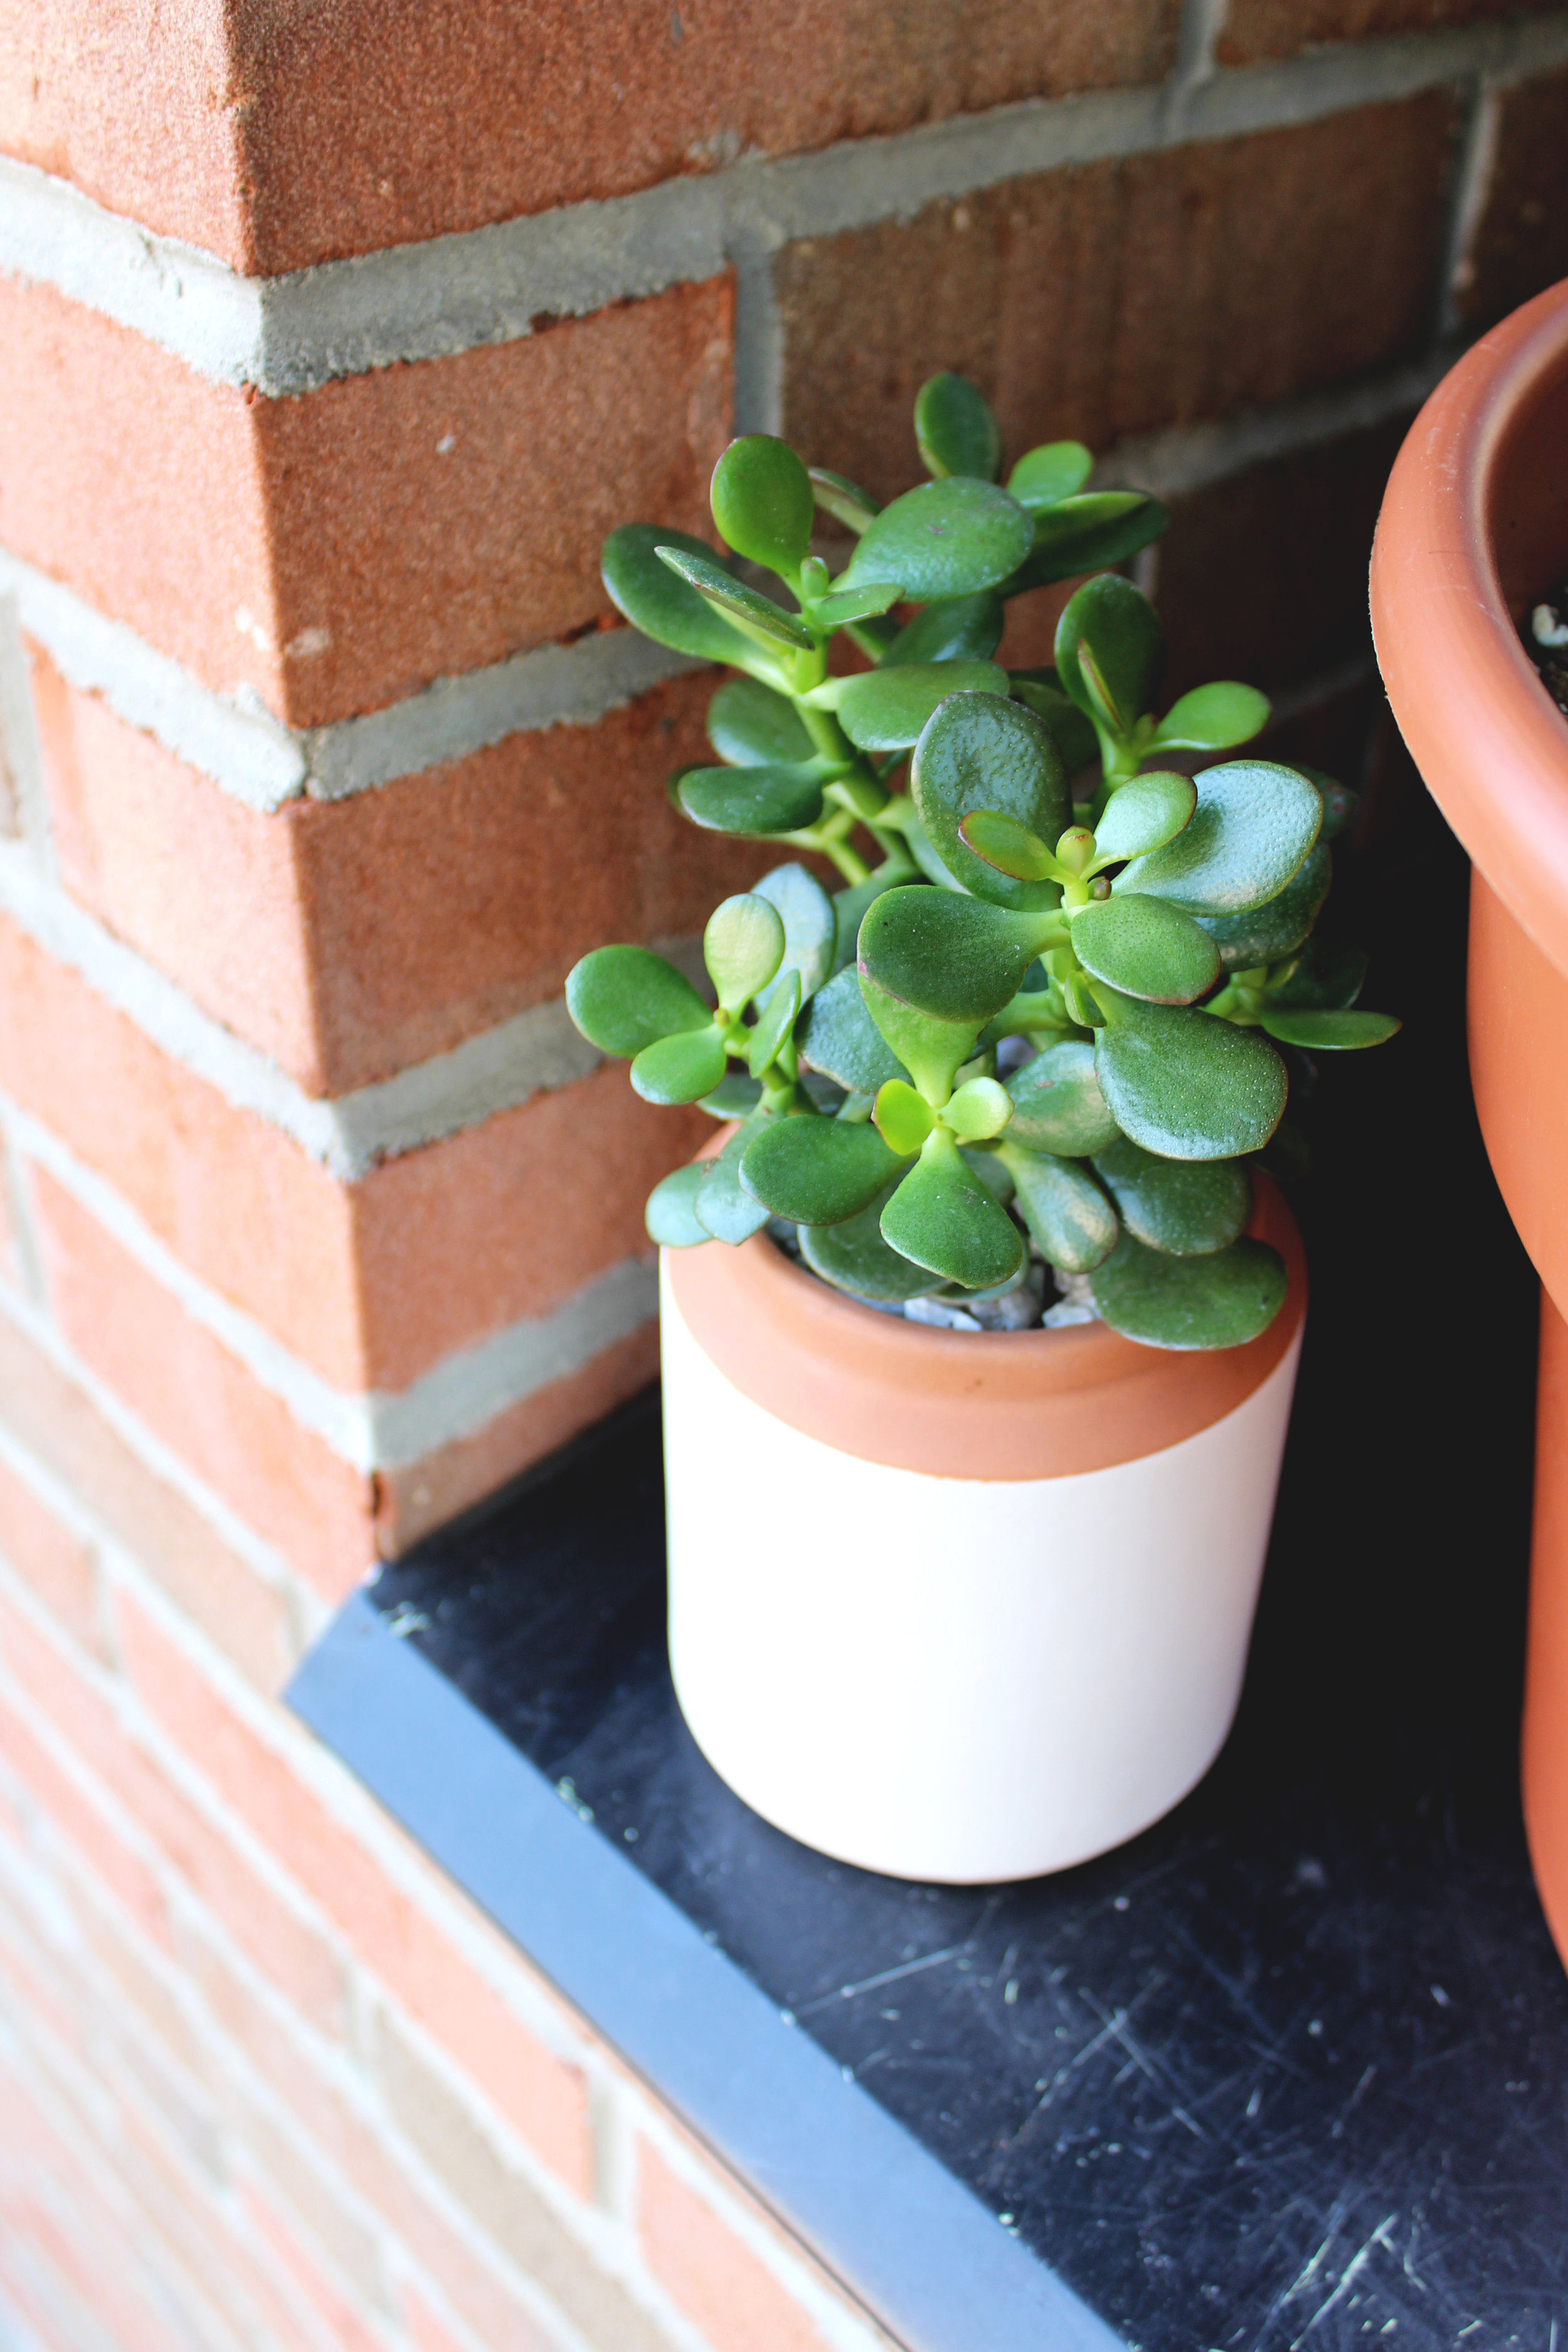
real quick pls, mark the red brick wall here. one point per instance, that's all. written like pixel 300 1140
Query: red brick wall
pixel 318 1221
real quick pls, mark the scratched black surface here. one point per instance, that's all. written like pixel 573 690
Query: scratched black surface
pixel 1292 2068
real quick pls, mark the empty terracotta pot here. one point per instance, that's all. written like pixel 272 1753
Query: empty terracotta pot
pixel 1474 531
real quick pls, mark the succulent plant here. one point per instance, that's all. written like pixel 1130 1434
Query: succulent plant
pixel 1043 1023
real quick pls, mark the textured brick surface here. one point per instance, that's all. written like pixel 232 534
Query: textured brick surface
pixel 1521 243
pixel 53 1558
pixel 1125 295
pixel 278 138
pixel 1256 29
pixel 731 2293
pixel 338 551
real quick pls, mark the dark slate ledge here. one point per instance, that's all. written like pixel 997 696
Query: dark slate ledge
pixel 1289 2070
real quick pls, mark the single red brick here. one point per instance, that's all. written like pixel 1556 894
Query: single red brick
pixel 733 2297
pixel 1521 243
pixel 1256 29
pixel 1105 299
pixel 53 1558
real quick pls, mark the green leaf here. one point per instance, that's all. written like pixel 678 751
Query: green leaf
pixel 885 710
pixel 764 504
pixel 1146 948
pixel 1064 1209
pixel 955 430
pixel 1056 1103
pixel 1073 734
pixel 1254 823
pixel 623 999
pixel 1213 718
pixel 810 926
pixel 948 955
pixel 842 498
pixel 1045 477
pixel 849 905
pixel 868 603
pixel 980 1109
pixel 753 727
pixel 946 538
pixel 904 1118
pixel 1327 977
pixel 1323 1033
pixel 681 1069
pixel 1340 803
pixel 1144 815
pixel 1190 1302
pixel 979 752
pixel 663 607
pixel 742 947
pixel 1120 631
pixel 1185 1084
pixel 943 1217
pixel 775 1020
pixel 931 1049
pixel 1091 545
pixel 1007 845
pixel 853 1256
pixel 1187 1207
pixel 721 1206
pixel 1277 928
pixel 817 1170
pixel 838 1037
pixel 736 1095
pixel 755 616
pixel 958 629
pixel 751 800
pixel 918 843
pixel 671 1216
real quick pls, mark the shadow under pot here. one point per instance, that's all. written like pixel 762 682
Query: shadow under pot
pixel 958 1606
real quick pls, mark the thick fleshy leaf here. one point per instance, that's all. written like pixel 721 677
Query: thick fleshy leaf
pixel 842 606
pixel 736 1095
pixel 1033 1014
pixel 1331 1033
pixel 751 800
pixel 1185 1084
pixel 755 616
pixel 1063 1207
pixel 1073 734
pixel 817 1170
pixel 931 1049
pixel 1044 477
pixel 959 628
pixel 955 430
pixel 663 607
pixel 918 845
pixel 810 926
pixel 671 1216
pixel 1056 1103
pixel 1254 823
pixel 1146 948
pixel 903 1117
pixel 838 1037
pixel 1007 845
pixel 753 727
pixel 1213 719
pixel 885 710
pixel 720 1207
pixel 1188 1207
pixel 681 1069
pixel 1109 536
pixel 623 999
pixel 1327 978
pixel 742 947
pixel 763 502
pixel 979 752
pixel 842 498
pixel 1340 803
pixel 1267 933
pixel 1142 816
pixel 775 1020
pixel 1117 627
pixel 948 955
pixel 849 905
pixel 1190 1302
pixel 853 1256
pixel 946 538
pixel 943 1217
pixel 980 1109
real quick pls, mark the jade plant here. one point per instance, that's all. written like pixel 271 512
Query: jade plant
pixel 1040 1018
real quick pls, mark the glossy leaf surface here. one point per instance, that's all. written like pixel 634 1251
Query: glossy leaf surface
pixel 864 604
pixel 1064 1209
pixel 1331 1033
pixel 885 710
pixel 1187 1086
pixel 1328 978
pixel 763 503
pixel 1264 934
pixel 751 800
pixel 775 1020
pixel 956 431
pixel 842 498
pixel 979 752
pixel 736 1095
pixel 946 538
pixel 1119 629
pixel 721 1208
pixel 1007 845
pixel 1056 1103
pixel 1075 738
pixel 681 1069
pixel 1190 1302
pixel 849 907
pixel 1144 815
pixel 1090 546
pixel 980 1109
pixel 1146 948
pixel 661 605
pixel 853 1256
pixel 903 1117
pixel 753 727
pixel 1340 802
pixel 754 615
pixel 671 1216
pixel 742 947
pixel 1044 477
pixel 948 955
pixel 1187 1207
pixel 959 628
pixel 945 1218
pixel 817 1170
pixel 838 1037
pixel 931 1049
pixel 1213 719
pixel 810 924
pixel 623 999
pixel 1254 823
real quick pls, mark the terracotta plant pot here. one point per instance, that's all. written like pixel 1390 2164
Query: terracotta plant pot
pixel 958 1606
pixel 1474 531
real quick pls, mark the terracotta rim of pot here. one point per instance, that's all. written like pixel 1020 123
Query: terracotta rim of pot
pixel 1474 525
pixel 967 1405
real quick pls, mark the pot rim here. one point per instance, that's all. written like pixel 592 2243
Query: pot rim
pixel 1489 742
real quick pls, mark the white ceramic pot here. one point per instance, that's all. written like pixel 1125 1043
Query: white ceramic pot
pixel 959 1607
